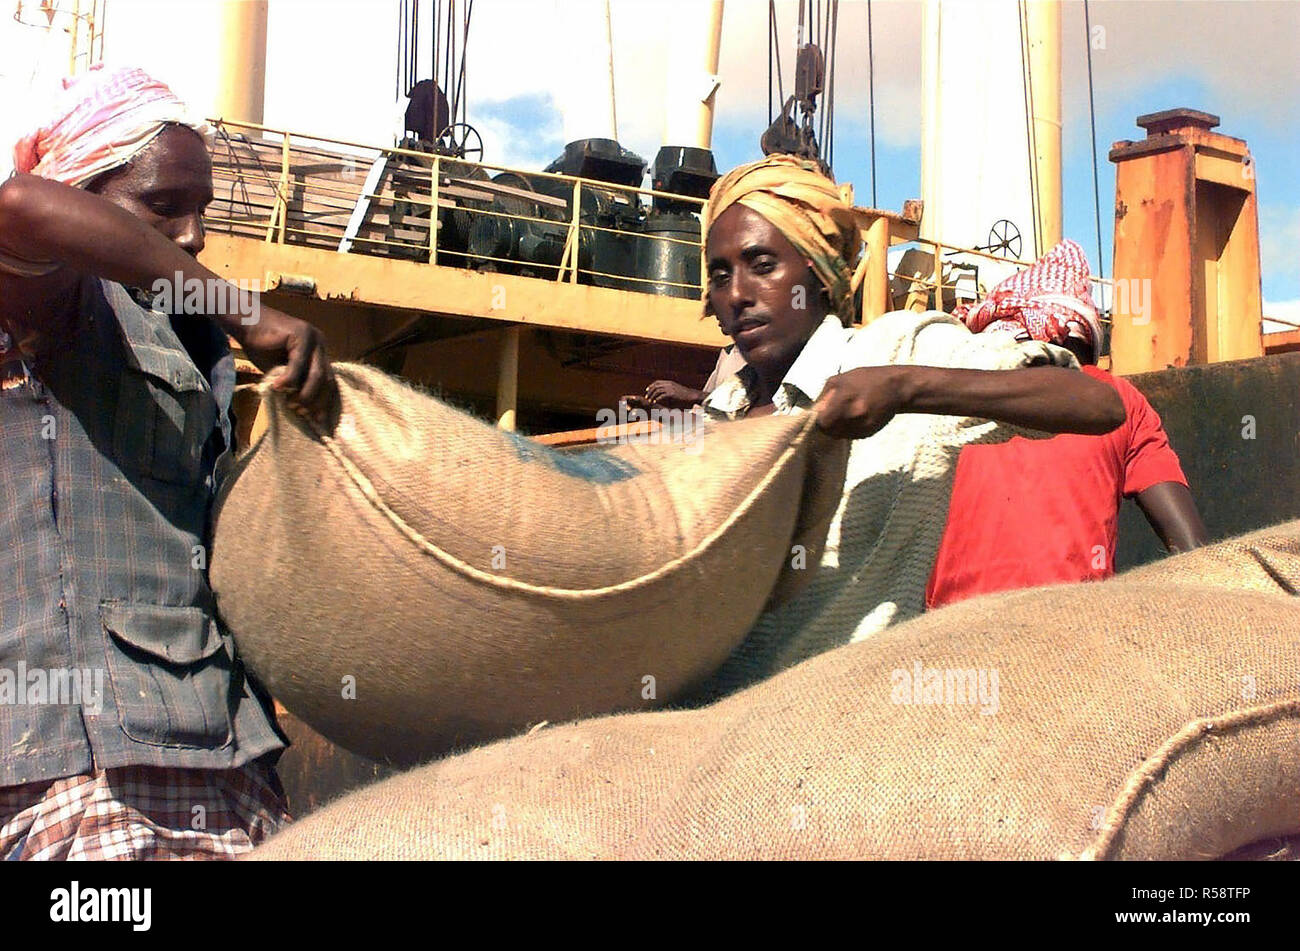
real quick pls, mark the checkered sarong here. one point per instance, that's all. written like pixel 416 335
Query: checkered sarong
pixel 142 812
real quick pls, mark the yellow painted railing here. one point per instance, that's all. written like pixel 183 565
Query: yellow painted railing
pixel 936 281
pixel 288 187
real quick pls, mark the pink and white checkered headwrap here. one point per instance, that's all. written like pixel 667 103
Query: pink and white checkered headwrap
pixel 1048 301
pixel 98 121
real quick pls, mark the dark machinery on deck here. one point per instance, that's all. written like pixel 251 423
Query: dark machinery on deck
pixel 622 242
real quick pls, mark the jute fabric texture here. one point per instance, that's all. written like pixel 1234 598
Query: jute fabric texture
pixel 1155 715
pixel 421 581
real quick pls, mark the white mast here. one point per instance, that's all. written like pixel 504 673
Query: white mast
pixel 692 75
pixel 1043 37
pixel 976 139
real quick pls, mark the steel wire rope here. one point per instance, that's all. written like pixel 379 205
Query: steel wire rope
pixel 871 102
pixel 1092 120
pixel 1027 81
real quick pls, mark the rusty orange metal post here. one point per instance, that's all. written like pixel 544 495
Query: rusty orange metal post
pixel 1187 283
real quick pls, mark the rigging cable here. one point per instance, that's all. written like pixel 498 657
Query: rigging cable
pixel 815 37
pixel 413 64
pixel 1026 75
pixel 449 53
pixel 871 98
pixel 823 20
pixel 819 39
pixel 451 61
pixel 833 31
pixel 401 48
pixel 835 65
pixel 776 44
pixel 462 97
pixel 609 38
pixel 1092 118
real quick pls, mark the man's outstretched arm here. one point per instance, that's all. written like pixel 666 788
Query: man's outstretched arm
pixel 1172 512
pixel 860 402
pixel 43 220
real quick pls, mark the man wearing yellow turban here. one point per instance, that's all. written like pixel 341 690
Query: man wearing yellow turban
pixel 809 209
pixel 783 249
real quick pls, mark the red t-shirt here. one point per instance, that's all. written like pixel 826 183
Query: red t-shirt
pixel 1031 512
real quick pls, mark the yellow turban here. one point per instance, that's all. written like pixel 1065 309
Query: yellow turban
pixel 809 209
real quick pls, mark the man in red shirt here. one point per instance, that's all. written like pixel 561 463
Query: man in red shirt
pixel 1034 512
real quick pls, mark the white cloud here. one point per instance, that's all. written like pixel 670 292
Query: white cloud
pixel 1281 316
pixel 503 145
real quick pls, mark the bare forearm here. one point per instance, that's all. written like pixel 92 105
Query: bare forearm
pixel 1172 512
pixel 1050 399
pixel 42 220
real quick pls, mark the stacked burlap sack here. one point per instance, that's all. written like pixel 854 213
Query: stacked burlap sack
pixel 421 581
pixel 1155 715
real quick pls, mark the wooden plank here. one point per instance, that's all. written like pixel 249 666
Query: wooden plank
pixel 548 200
pixel 592 437
pixel 465 193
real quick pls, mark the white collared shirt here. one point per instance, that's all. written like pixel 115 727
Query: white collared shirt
pixel 818 361
pixel 882 542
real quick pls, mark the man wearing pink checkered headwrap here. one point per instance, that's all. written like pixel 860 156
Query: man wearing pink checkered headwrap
pixel 100 121
pixel 129 727
pixel 94 124
pixel 112 180
pixel 1048 301
pixel 1026 513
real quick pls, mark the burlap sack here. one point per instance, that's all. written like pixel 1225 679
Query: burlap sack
pixel 1143 717
pixel 1266 560
pixel 423 580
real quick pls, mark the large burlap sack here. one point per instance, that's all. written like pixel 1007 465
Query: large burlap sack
pixel 422 580
pixel 1266 560
pixel 1142 717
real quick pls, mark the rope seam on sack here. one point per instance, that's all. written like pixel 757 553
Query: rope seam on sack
pixel 1272 572
pixel 1143 778
pixel 372 496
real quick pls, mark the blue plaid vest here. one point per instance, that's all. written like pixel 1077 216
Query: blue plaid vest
pixel 110 649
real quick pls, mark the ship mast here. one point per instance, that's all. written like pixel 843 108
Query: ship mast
pixel 692 76
pixel 587 71
pixel 991 125
pixel 1042 32
pixel 242 92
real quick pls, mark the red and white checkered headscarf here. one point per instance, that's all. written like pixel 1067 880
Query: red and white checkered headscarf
pixel 1048 301
pixel 98 121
